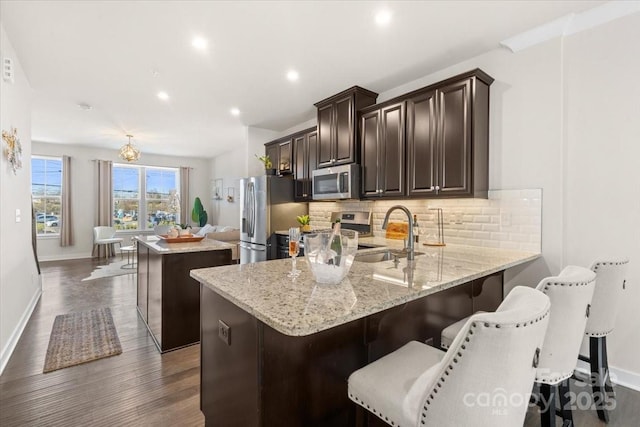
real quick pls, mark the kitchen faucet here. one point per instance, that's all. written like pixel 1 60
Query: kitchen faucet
pixel 410 247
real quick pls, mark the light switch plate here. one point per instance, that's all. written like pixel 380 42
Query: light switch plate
pixel 18 217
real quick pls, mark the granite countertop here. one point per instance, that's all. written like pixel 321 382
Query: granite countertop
pixel 300 306
pixel 158 245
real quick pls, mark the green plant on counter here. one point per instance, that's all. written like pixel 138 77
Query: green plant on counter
pixel 266 161
pixel 198 214
pixel 303 219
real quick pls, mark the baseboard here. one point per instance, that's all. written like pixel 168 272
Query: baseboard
pixel 7 351
pixel 64 257
pixel 618 376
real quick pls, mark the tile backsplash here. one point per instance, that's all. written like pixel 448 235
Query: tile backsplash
pixel 509 219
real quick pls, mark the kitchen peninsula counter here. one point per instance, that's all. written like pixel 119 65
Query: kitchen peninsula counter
pixel 301 306
pixel 168 300
pixel 277 350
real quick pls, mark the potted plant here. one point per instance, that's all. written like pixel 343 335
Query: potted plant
pixel 198 214
pixel 304 222
pixel 268 165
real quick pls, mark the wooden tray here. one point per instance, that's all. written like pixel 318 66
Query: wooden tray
pixel 181 239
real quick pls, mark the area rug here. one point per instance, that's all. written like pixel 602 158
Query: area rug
pixel 81 337
pixel 110 270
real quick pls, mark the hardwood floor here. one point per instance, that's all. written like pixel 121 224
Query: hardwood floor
pixel 140 387
pixel 137 388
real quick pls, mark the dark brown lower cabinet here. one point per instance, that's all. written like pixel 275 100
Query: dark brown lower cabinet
pixel 265 378
pixel 168 298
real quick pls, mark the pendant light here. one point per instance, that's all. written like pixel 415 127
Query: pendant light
pixel 128 152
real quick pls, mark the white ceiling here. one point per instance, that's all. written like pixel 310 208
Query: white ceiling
pixel 104 53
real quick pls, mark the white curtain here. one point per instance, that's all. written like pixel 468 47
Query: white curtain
pixel 66 228
pixel 104 198
pixel 185 210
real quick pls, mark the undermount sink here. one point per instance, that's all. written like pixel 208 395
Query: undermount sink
pixel 385 255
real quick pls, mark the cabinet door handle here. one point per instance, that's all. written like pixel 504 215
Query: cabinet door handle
pixel 437 187
pixel 433 188
pixel 304 195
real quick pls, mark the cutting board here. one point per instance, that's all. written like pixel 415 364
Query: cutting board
pixel 397 230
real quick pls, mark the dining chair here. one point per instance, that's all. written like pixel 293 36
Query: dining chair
pixel 105 236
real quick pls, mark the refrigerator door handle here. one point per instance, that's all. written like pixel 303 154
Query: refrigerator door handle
pixel 245 214
pixel 251 215
pixel 253 210
pixel 252 248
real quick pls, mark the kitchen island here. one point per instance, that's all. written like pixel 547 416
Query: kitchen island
pixel 278 351
pixel 168 300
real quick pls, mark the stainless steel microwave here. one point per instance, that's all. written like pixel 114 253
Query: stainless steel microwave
pixel 336 182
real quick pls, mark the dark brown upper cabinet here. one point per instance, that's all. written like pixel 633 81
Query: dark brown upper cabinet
pixel 272 149
pixel 305 147
pixel 284 157
pixel 383 151
pixel 337 126
pixel 448 138
pixel 280 153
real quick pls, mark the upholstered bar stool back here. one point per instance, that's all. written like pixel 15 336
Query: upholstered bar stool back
pixel 483 379
pixel 611 283
pixel 570 293
pixel 611 276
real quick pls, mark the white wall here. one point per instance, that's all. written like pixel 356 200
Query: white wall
pixel 83 197
pixel 233 165
pixel 602 173
pixel 20 286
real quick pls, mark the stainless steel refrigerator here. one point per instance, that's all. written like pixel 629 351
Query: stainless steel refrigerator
pixel 267 205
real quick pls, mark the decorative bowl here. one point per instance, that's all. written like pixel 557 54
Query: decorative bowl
pixel 330 255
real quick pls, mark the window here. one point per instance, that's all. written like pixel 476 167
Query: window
pixel 46 192
pixel 142 197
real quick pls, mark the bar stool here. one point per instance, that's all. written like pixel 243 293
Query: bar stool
pixel 611 281
pixel 570 294
pixel 418 384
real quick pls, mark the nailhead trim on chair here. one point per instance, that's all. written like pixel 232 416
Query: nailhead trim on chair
pixel 547 285
pixel 598 334
pixel 554 380
pixel 379 414
pixel 459 354
pixel 595 267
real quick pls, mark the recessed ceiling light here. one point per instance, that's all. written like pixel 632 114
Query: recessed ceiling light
pixel 163 95
pixel 199 43
pixel 293 75
pixel 235 112
pixel 383 17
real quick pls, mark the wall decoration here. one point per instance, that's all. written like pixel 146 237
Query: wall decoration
pixel 217 189
pixel 231 194
pixel 13 151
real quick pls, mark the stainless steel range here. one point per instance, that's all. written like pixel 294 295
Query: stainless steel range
pixel 359 221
